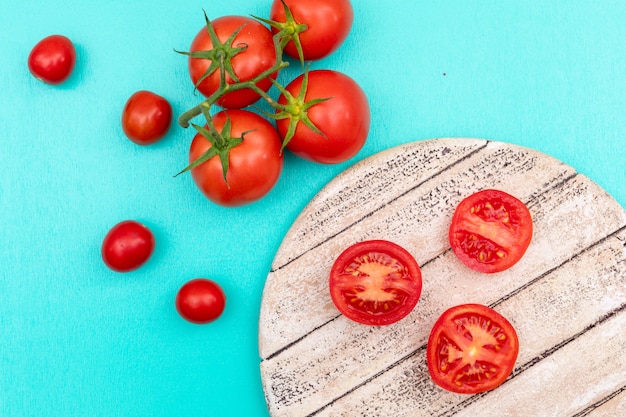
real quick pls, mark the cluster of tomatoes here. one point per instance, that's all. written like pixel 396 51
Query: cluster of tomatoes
pixel 236 156
pixel 471 348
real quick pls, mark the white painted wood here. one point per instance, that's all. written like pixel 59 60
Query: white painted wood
pixel 316 362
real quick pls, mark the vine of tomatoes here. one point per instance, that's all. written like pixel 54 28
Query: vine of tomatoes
pixel 234 61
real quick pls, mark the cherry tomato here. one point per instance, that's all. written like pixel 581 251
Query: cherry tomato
pixel 344 119
pixel 52 59
pixel 471 349
pixel 200 301
pixel 146 117
pixel 127 246
pixel 259 56
pixel 490 231
pixel 328 25
pixel 375 282
pixel 254 165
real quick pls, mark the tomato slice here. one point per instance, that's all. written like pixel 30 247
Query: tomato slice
pixel 490 231
pixel 375 282
pixel 472 348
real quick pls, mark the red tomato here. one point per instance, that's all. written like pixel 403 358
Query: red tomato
pixel 127 246
pixel 52 59
pixel 344 119
pixel 146 117
pixel 490 231
pixel 254 165
pixel 328 25
pixel 200 301
pixel 471 349
pixel 259 56
pixel 375 282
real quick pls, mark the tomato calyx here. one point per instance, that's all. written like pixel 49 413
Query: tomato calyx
pixel 288 31
pixel 221 54
pixel 296 109
pixel 221 145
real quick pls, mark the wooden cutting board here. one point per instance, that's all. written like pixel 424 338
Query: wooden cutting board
pixel 566 297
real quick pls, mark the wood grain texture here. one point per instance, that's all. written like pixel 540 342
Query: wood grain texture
pixel 566 297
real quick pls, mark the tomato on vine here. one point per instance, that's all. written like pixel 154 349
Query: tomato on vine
pixel 239 161
pixel 146 117
pixel 325 116
pixel 52 59
pixel 232 50
pixel 315 28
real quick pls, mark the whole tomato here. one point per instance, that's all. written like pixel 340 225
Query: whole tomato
pixel 254 165
pixel 52 59
pixel 328 25
pixel 146 117
pixel 200 301
pixel 127 246
pixel 343 119
pixel 259 56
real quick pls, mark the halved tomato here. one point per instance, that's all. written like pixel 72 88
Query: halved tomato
pixel 375 282
pixel 472 348
pixel 490 231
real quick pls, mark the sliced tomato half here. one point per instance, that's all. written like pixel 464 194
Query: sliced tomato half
pixel 472 348
pixel 490 231
pixel 375 282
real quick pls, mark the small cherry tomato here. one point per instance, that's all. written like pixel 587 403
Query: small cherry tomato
pixel 258 56
pixel 328 25
pixel 490 231
pixel 254 165
pixel 375 282
pixel 127 246
pixel 343 119
pixel 472 348
pixel 52 59
pixel 146 117
pixel 200 301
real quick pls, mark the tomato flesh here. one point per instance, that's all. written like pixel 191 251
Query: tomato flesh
pixel 490 231
pixel 375 282
pixel 471 349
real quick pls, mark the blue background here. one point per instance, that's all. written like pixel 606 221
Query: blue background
pixel 77 339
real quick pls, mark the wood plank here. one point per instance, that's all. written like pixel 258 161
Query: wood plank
pixel 313 356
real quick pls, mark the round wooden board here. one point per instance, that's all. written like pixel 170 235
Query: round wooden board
pixel 566 297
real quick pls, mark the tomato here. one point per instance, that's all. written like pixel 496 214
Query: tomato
pixel 375 282
pixel 127 246
pixel 259 55
pixel 472 348
pixel 490 231
pixel 146 117
pixel 328 25
pixel 343 119
pixel 200 301
pixel 52 59
pixel 254 165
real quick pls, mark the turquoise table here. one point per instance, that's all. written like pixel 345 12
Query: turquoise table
pixel 77 339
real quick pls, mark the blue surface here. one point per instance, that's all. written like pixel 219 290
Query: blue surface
pixel 77 339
